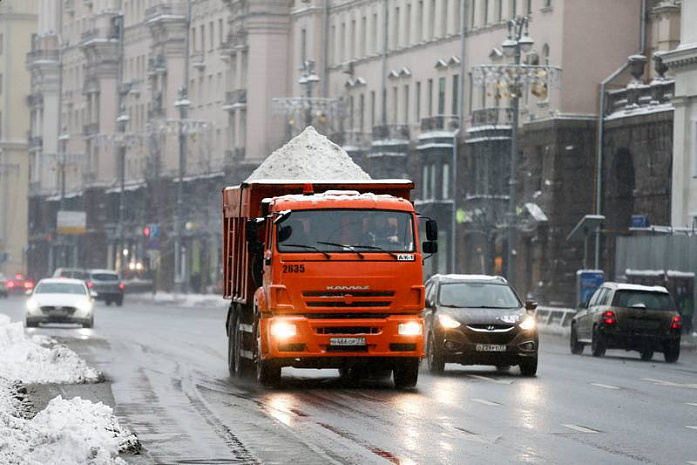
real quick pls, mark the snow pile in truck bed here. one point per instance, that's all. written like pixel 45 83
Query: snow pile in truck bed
pixel 309 156
pixel 28 359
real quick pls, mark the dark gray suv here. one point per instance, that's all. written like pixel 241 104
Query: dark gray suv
pixel 479 320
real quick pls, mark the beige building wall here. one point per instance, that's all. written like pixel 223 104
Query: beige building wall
pixel 18 23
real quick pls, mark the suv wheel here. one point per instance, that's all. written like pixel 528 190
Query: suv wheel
pixel 436 364
pixel 575 346
pixel 528 366
pixel 671 351
pixel 597 343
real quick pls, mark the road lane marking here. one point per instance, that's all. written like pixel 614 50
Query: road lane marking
pixel 605 386
pixel 580 429
pixel 660 382
pixel 691 403
pixel 491 380
pixel 485 402
pixel 692 427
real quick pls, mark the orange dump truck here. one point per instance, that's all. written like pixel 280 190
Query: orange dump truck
pixel 324 275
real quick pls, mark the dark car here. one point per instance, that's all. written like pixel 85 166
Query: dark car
pixel 72 273
pixel 18 284
pixel 479 320
pixel 3 285
pixel 629 317
pixel 108 286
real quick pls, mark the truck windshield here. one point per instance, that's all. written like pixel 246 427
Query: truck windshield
pixel 643 299
pixel 346 231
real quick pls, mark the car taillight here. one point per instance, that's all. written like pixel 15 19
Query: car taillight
pixel 10 284
pixel 121 286
pixel 90 284
pixel 677 322
pixel 28 284
pixel 609 317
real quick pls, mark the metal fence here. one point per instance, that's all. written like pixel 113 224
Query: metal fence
pixel 672 252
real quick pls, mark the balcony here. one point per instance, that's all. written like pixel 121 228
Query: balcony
pixel 235 100
pixel 352 139
pixel 165 10
pixel 42 56
pixel 35 100
pixel 157 65
pixel 641 96
pixel 198 60
pixel 391 132
pixel 440 123
pixel 492 117
pixel 36 143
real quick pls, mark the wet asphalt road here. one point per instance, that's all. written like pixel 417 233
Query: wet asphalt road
pixel 170 384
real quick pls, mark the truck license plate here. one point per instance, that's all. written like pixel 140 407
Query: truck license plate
pixel 347 341
pixel 490 348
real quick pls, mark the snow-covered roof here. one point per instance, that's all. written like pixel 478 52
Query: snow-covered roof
pixel 470 277
pixel 61 280
pixel 636 287
pixel 536 212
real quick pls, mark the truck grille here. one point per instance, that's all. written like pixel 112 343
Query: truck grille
pixel 348 299
pixel 346 316
pixel 350 330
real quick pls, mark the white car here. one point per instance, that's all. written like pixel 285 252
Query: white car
pixel 60 301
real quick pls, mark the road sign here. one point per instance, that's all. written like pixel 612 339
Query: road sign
pixel 71 222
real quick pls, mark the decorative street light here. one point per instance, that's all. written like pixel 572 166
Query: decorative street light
pixel 122 121
pixel 182 104
pixel 308 79
pixel 518 40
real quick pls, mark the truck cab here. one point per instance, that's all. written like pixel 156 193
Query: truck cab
pixel 336 282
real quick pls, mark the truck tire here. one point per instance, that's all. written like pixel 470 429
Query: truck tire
pixel 671 351
pixel 597 343
pixel 268 372
pixel 406 373
pixel 436 363
pixel 575 346
pixel 234 358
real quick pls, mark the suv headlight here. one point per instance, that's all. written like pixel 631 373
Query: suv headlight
pixel 528 323
pixel 447 321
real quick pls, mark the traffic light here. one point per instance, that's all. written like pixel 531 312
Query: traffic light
pixel 146 231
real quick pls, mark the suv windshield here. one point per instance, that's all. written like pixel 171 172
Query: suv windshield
pixel 60 288
pixel 642 299
pixel 346 231
pixel 478 295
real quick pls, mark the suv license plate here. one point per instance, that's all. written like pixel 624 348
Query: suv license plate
pixel 490 348
pixel 347 341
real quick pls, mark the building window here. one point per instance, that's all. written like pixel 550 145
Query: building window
pixel 374 33
pixel 424 183
pixel 221 32
pixel 361 114
pixel 2 44
pixel 407 26
pixel 417 100
pixel 433 182
pixel 548 3
pixel 446 181
pixel 444 18
pixel 499 10
pixel 351 107
pixel 364 32
pixel 395 104
pixel 332 46
pixel 372 108
pixel 694 148
pixel 430 97
pixel 485 13
pixel 529 8
pixel 406 104
pixel 441 96
pixel 202 29
pixel 514 8
pixel 395 29
pixel 211 44
pixel 545 54
pixel 432 22
pixel 303 45
pixel 342 43
pixel 352 40
pixel 473 17
pixel 419 22
pixel 456 89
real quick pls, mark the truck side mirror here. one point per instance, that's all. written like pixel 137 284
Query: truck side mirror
pixel 431 230
pixel 430 247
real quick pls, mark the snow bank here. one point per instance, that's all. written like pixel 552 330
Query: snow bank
pixel 180 300
pixel 66 432
pixel 310 155
pixel 28 359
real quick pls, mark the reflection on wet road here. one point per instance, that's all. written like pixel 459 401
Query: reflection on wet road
pixel 171 386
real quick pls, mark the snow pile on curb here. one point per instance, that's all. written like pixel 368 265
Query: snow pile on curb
pixel 180 300
pixel 66 432
pixel 26 359
pixel 309 156
pixel 71 432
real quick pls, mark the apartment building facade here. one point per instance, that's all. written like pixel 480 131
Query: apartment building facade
pixel 17 27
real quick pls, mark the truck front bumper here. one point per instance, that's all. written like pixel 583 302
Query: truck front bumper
pixel 325 343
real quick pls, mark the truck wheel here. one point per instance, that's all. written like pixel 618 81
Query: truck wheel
pixel 436 364
pixel 528 366
pixel 406 373
pixel 268 372
pixel 575 346
pixel 646 354
pixel 671 351
pixel 234 347
pixel 597 343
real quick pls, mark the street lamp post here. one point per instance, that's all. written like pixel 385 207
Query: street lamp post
pixel 63 139
pixel 517 41
pixel 182 104
pixel 122 121
pixel 308 79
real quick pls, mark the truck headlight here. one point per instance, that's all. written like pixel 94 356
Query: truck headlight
pixel 32 305
pixel 283 329
pixel 528 323
pixel 411 328
pixel 447 321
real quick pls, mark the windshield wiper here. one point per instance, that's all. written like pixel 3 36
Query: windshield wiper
pixel 372 247
pixel 308 247
pixel 350 247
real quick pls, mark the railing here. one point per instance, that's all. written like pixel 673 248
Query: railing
pixel 492 116
pixel 235 99
pixel 639 96
pixel 354 138
pixel 557 319
pixel 198 60
pixel 35 99
pixel 41 55
pixel 391 131
pixel 166 8
pixel 35 142
pixel 157 64
pixel 440 123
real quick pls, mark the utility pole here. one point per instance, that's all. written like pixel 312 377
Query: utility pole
pixel 63 139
